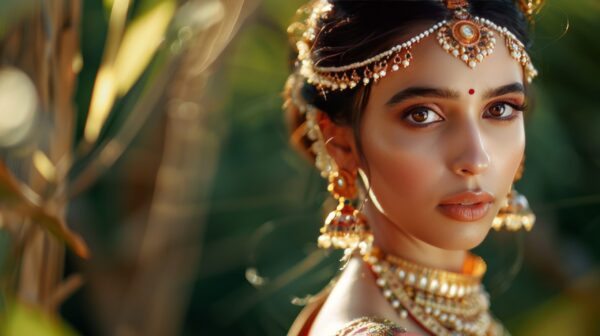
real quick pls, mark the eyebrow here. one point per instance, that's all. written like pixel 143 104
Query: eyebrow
pixel 505 89
pixel 419 91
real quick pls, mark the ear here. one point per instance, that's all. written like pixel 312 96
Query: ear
pixel 339 142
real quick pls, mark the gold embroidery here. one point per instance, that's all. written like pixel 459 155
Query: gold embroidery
pixel 371 326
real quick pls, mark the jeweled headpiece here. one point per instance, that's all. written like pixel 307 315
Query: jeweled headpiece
pixel 466 37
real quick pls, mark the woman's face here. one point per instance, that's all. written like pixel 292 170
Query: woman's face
pixel 437 129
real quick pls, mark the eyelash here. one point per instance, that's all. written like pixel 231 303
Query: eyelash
pixel 517 108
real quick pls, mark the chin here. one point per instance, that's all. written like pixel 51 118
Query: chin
pixel 459 236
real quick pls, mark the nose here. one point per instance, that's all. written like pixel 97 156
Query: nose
pixel 472 158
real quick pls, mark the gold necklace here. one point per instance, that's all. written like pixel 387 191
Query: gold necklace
pixel 444 303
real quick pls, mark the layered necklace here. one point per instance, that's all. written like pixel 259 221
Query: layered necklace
pixel 444 303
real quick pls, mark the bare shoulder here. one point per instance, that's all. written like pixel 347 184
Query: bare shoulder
pixel 355 307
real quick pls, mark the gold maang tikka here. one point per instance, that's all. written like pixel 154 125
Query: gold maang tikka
pixel 516 213
pixel 466 37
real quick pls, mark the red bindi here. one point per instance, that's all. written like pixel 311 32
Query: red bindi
pixel 471 91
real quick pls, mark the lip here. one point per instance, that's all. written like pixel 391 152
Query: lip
pixel 466 206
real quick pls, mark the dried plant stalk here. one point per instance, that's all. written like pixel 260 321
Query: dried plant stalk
pixel 171 246
pixel 43 46
pixel 35 189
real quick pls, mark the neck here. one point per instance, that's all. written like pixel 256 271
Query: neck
pixel 392 239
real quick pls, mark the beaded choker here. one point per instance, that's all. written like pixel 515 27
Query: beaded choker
pixel 444 303
pixel 465 37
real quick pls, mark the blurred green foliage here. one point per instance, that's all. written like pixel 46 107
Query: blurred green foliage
pixel 265 209
pixel 24 320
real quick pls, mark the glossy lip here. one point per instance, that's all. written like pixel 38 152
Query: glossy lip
pixel 466 206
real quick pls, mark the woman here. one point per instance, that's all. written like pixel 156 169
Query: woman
pixel 413 110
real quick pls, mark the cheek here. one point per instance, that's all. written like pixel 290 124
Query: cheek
pixel 403 167
pixel 506 147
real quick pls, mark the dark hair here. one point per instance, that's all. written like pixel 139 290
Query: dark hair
pixel 358 29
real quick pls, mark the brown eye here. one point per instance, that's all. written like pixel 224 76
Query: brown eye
pixel 497 110
pixel 422 116
pixel 503 111
pixel 419 116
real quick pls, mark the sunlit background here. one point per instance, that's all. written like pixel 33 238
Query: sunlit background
pixel 148 136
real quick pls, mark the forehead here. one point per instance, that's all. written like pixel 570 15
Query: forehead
pixel 432 66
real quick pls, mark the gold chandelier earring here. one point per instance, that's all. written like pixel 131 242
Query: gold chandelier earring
pixel 345 227
pixel 516 213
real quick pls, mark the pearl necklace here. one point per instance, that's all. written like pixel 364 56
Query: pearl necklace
pixel 444 303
